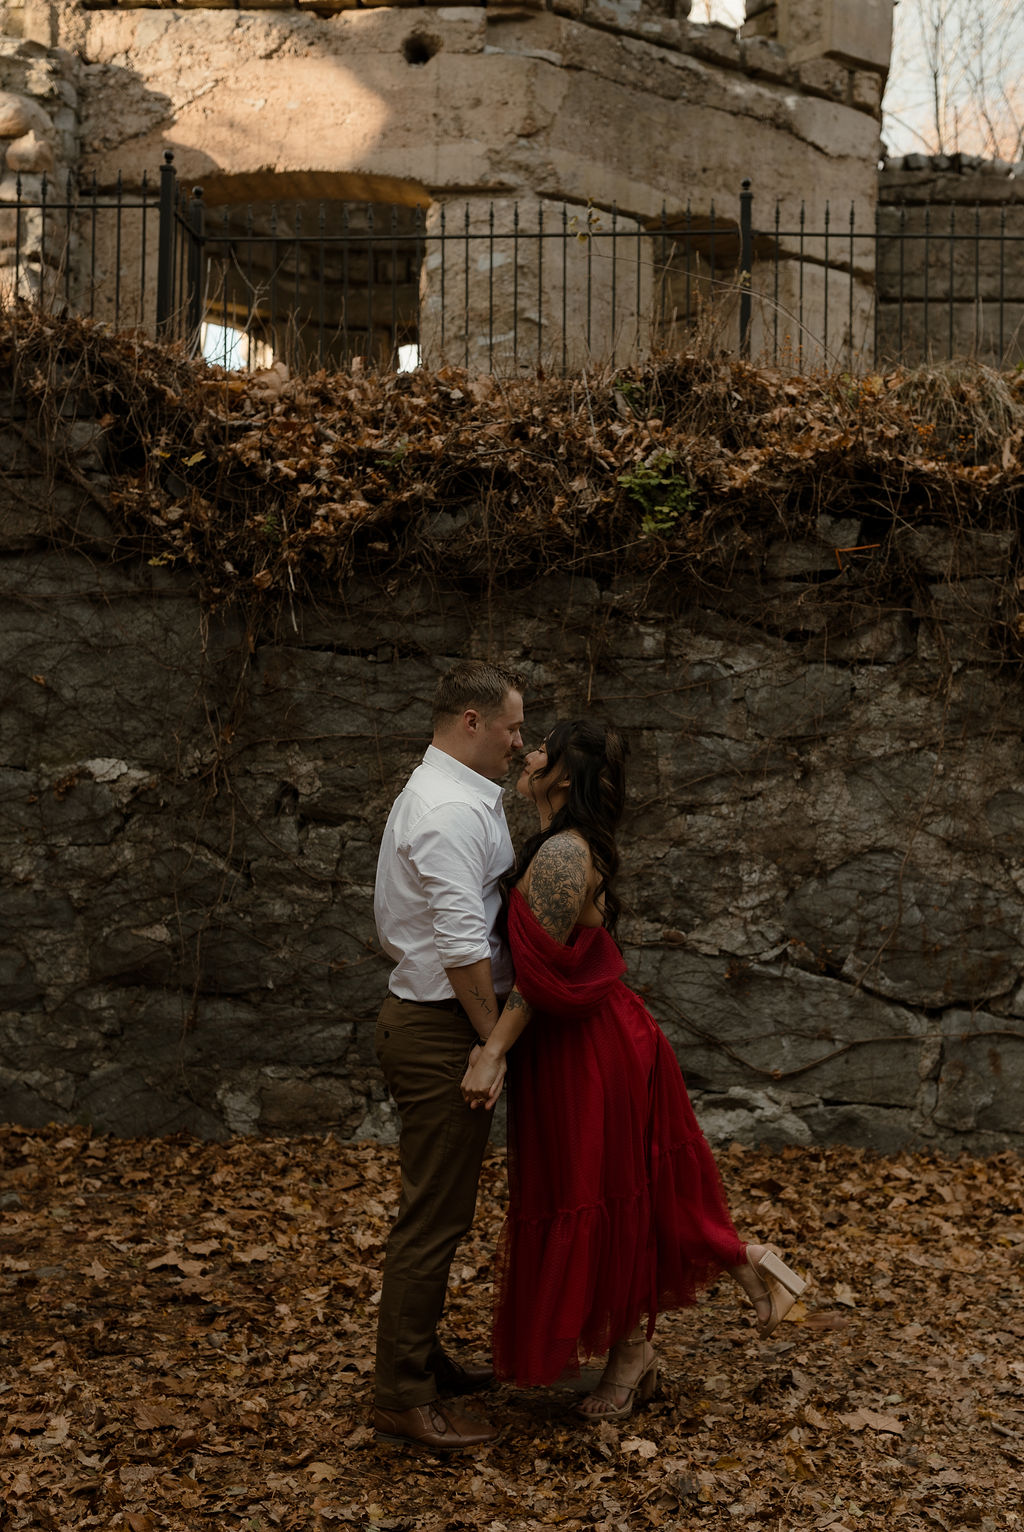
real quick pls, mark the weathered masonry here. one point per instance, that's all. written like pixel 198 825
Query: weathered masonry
pixel 614 110
pixel 950 268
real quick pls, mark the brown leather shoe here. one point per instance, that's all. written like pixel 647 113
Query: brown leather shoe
pixel 432 1426
pixel 454 1377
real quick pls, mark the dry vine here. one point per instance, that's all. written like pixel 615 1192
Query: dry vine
pixel 269 487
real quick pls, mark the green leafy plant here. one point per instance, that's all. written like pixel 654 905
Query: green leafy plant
pixel 631 395
pixel 664 496
pixel 396 456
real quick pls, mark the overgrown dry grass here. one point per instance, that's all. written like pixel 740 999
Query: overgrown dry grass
pixel 266 488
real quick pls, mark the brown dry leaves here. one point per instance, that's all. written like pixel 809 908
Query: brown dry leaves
pixel 268 484
pixel 188 1334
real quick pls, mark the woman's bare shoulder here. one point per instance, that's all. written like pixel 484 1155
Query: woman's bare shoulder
pixel 566 843
pixel 558 884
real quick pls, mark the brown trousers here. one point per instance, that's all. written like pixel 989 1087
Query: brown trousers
pixel 423 1052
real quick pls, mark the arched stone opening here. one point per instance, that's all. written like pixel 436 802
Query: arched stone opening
pixel 696 262
pixel 318 269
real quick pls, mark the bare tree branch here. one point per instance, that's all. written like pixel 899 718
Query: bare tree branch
pixel 955 83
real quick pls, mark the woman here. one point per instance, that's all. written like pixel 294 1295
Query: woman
pixel 616 1209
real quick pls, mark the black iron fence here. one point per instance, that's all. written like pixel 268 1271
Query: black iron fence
pixel 81 248
pixel 500 286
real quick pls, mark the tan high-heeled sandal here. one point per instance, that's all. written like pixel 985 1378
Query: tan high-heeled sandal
pixel 780 1285
pixel 638 1392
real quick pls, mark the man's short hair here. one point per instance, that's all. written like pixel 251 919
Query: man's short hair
pixel 473 683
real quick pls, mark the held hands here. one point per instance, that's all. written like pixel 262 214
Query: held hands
pixel 482 1082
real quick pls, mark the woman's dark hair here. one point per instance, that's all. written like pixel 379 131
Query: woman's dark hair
pixel 593 757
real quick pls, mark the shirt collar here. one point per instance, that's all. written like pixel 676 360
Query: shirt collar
pixel 441 761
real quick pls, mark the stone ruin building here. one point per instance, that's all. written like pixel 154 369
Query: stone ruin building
pixel 950 268
pixel 493 121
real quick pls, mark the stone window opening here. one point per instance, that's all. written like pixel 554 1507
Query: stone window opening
pixel 696 264
pixel 311 282
pixel 231 346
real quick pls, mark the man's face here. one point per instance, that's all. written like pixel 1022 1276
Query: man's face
pixel 496 738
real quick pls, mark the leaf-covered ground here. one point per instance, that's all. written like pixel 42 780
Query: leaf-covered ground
pixel 187 1335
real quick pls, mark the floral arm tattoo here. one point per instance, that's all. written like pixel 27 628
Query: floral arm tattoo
pixel 558 884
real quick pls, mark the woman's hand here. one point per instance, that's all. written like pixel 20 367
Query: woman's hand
pixel 484 1077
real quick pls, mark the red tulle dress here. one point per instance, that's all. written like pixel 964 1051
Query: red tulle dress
pixel 616 1208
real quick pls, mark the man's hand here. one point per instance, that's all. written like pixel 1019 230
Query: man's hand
pixel 484 1077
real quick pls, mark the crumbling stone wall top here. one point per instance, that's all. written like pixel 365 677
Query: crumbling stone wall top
pixel 961 179
pixel 825 48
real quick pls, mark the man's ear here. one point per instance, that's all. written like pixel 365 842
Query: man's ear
pixel 471 719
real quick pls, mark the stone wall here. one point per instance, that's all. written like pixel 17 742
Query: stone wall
pixel 601 104
pixel 822 868
pixel 950 268
pixel 38 145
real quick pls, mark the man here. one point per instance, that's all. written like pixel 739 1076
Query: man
pixel 436 901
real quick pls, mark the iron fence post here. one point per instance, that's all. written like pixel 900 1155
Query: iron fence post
pixel 197 223
pixel 165 245
pixel 262 263
pixel 746 265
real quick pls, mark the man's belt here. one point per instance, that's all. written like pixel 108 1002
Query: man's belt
pixel 453 1005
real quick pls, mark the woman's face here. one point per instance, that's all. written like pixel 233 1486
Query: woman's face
pixel 538 778
pixel 535 764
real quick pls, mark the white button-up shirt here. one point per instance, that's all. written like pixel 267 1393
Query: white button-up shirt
pixel 436 899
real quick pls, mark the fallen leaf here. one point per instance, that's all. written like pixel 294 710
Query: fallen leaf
pixel 360 1436
pixel 255 1253
pixel 799 1465
pixel 156 1416
pixel 640 1445
pixel 814 1418
pixel 195 1286
pixel 871 1418
pixel 827 1319
pixel 176 1259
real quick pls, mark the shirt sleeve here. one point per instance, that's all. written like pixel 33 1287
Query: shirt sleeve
pixel 448 850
